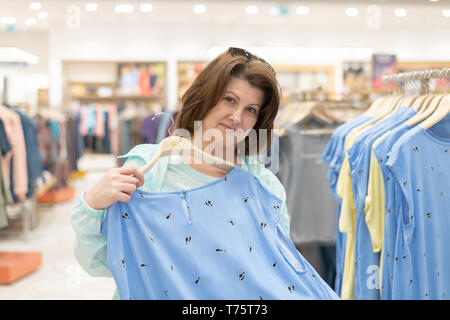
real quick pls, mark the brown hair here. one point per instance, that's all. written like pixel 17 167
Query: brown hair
pixel 209 86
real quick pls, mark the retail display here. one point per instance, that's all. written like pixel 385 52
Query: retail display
pixel 385 209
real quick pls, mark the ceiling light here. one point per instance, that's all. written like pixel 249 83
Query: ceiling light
pixel 446 13
pixel 8 20
pixel 351 12
pixel 251 9
pixel 302 11
pixel 35 6
pixel 400 12
pixel 434 0
pixel 146 7
pixel 124 8
pixel 43 15
pixel 30 21
pixel 91 7
pixel 199 8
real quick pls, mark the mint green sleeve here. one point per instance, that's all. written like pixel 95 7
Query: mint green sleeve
pixel 273 184
pixel 90 245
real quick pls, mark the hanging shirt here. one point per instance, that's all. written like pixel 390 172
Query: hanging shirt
pixel 420 163
pixel 218 241
pixel 303 174
pixel 380 206
pixel 334 156
pixel 367 282
pixel 168 174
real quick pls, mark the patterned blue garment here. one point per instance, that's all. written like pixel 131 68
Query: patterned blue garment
pixel 420 162
pixel 218 241
pixel 334 156
pixel 367 262
pixel 381 152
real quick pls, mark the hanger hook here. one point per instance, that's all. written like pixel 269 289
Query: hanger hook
pixel 171 118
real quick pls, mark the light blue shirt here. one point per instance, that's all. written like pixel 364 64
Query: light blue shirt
pixel 218 241
pixel 420 163
pixel 168 174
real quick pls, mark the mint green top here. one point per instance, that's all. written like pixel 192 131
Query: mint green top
pixel 168 174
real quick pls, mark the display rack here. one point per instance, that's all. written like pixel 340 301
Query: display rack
pixel 295 78
pixel 187 72
pixel 114 81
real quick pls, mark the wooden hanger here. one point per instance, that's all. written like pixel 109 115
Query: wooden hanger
pixel 431 103
pixel 374 107
pixel 179 145
pixel 440 113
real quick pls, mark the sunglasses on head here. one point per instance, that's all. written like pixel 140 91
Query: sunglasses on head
pixel 244 53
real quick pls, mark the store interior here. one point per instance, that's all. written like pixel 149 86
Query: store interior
pixel 89 76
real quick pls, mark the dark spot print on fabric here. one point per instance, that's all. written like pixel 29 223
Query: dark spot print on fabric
pixel 313 275
pixel 276 207
pixel 262 225
pixel 188 239
pixel 197 280
pixel 410 282
pixel 246 199
pixel 260 298
pixel 360 171
pixel 220 250
pixel 388 178
pixel 241 276
pixel 428 214
pixel 171 267
pixel 437 273
pixel 208 203
pixel 230 221
pixel 418 189
pixel 274 264
pixel 446 150
pixel 442 193
pixel 426 294
pixel 250 248
pixel 123 263
pixel 141 195
pixel 166 294
pixel 126 216
pixel 432 168
pixel 404 257
pixel 151 239
pixel 411 217
pixel 415 148
pixel 143 265
pixel 225 179
pixel 168 216
pixel 404 183
pixel 291 288
pixel 396 259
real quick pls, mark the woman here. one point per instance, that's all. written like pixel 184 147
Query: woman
pixel 235 93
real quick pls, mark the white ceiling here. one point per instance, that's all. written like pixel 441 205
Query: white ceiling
pixel 421 14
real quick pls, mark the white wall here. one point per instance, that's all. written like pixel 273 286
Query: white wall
pixel 276 43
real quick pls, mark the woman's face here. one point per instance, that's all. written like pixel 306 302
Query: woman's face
pixel 235 114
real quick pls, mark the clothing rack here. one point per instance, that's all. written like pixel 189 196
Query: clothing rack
pixel 416 81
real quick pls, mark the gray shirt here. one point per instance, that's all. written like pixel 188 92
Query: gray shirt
pixel 304 175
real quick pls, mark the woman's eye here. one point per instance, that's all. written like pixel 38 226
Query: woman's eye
pixel 252 110
pixel 230 100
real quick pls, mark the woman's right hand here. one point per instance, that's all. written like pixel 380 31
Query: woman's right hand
pixel 117 185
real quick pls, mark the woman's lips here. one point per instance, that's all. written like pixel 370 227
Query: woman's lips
pixel 227 127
